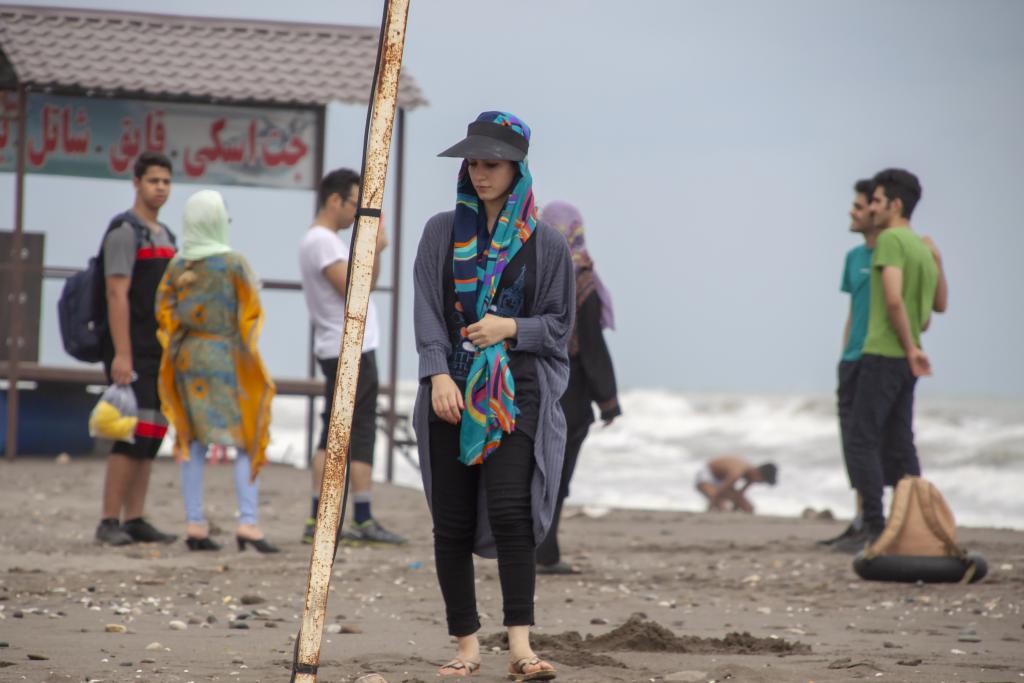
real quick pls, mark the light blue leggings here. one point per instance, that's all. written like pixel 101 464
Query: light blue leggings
pixel 192 486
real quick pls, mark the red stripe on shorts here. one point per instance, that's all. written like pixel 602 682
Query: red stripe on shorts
pixel 148 253
pixel 149 430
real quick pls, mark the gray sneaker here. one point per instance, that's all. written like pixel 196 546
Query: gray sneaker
pixel 371 532
pixel 345 536
pixel 112 534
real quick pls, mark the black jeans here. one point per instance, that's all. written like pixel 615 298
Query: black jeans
pixel 846 391
pixel 548 551
pixel 506 475
pixel 881 431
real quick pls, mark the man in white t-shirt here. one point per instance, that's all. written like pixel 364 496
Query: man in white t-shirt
pixel 323 262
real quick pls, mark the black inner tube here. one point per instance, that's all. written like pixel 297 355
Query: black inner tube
pixel 911 569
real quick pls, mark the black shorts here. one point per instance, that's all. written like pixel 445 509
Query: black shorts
pixel 364 414
pixel 152 426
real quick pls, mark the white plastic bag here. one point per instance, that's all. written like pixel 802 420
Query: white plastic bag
pixel 116 415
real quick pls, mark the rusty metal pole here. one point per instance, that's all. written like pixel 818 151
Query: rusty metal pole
pixel 396 272
pixel 15 306
pixel 364 246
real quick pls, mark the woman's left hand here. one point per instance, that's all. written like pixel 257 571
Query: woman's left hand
pixel 491 330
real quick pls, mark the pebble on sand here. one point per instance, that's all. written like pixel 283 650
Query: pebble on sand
pixel 177 625
pixel 154 646
pixel 37 657
pixel 969 635
pixel 116 628
pixel 334 628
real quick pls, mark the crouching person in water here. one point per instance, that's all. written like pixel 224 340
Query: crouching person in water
pixel 724 482
pixel 494 307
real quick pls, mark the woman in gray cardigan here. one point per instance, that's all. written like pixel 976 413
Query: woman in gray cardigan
pixel 494 307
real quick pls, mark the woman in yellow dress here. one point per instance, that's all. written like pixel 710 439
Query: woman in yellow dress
pixel 214 387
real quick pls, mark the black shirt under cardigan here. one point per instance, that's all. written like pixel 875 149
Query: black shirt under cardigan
pixel 513 299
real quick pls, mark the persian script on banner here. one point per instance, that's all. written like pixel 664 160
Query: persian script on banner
pixel 209 144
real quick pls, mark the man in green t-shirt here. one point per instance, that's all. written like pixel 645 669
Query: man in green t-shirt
pixel 907 284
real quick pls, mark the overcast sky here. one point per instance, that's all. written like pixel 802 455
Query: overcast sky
pixel 711 147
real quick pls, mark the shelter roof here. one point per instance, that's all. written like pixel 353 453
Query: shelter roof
pixel 190 58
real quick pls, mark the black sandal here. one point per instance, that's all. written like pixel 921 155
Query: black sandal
pixel 203 543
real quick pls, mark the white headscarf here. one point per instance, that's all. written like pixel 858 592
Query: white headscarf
pixel 205 226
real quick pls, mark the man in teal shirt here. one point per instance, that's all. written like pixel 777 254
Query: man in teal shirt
pixel 907 284
pixel 856 282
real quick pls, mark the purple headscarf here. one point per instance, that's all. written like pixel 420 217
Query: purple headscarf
pixel 566 219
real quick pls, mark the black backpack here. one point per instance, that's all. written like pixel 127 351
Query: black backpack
pixel 82 307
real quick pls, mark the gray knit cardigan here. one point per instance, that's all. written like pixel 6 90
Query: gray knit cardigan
pixel 545 334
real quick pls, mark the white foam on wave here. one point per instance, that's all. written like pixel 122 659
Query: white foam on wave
pixel 973 451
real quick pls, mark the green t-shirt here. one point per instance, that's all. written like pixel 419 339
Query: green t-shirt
pixel 900 248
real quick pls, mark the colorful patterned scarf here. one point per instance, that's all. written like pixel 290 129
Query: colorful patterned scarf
pixel 490 388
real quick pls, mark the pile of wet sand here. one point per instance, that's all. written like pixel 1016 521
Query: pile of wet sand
pixel 638 634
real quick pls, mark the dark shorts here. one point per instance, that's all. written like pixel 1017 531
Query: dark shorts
pixel 152 426
pixel 364 414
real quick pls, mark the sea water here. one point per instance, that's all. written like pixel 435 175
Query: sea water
pixel 972 450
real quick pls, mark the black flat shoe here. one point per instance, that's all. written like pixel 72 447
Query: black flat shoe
pixel 142 531
pixel 262 545
pixel 201 543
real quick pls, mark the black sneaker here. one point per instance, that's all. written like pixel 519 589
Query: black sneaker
pixel 142 531
pixel 371 532
pixel 847 532
pixel 857 541
pixel 111 533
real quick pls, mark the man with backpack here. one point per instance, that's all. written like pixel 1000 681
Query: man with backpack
pixel 136 250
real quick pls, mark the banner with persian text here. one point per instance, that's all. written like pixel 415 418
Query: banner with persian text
pixel 211 144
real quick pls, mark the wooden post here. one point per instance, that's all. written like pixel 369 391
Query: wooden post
pixel 364 247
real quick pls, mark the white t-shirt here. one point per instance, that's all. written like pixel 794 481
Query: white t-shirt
pixel 319 248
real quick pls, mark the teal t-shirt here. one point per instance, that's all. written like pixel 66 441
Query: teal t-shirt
pixel 900 248
pixel 857 283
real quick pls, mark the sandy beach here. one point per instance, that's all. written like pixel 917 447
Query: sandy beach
pixel 664 596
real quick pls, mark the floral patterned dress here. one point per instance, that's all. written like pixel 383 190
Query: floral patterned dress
pixel 213 385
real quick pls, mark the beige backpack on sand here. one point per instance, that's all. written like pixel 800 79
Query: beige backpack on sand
pixel 920 524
